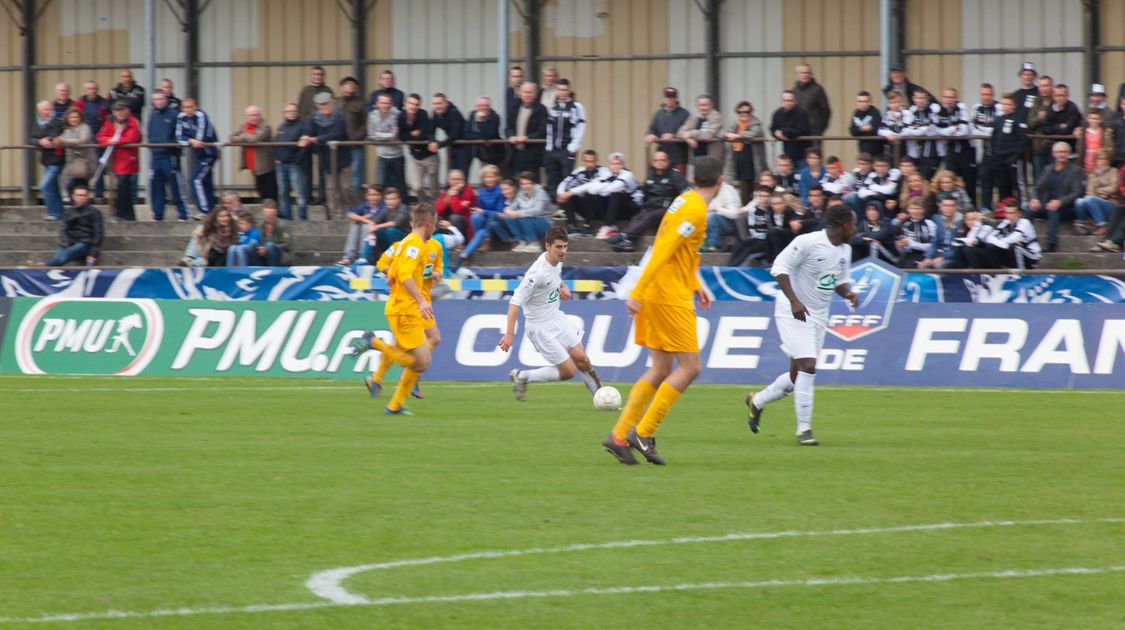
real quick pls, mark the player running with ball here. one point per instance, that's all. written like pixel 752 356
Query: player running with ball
pixel 552 334
pixel 808 272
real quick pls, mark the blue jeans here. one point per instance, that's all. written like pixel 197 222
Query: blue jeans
pixel 483 224
pixel 1096 208
pixel 49 186
pixel 272 257
pixel 163 170
pixel 1053 217
pixel 126 190
pixel 357 167
pixel 292 177
pixel 202 185
pixel 530 229
pixel 241 255
pixel 391 172
pixel 70 254
pixel 384 238
pixel 718 226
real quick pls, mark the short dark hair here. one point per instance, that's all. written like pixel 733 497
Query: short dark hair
pixel 1008 96
pixel 987 85
pixel 414 95
pixel 906 159
pixel 439 95
pixel 509 181
pixel 565 82
pixel 838 215
pixel 863 93
pixel 246 217
pixel 1062 86
pixel 816 188
pixel 80 187
pixel 391 190
pixel 813 151
pixel 863 157
pixel 763 188
pixel 556 233
pixel 269 203
pixel 590 152
pixel 882 159
pixel 321 68
pixel 373 187
pixel 528 175
pixel 708 171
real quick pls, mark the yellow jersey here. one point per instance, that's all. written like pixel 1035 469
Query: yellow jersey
pixel 670 277
pixel 435 254
pixel 384 262
pixel 414 259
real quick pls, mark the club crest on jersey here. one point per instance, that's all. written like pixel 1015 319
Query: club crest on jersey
pixel 877 287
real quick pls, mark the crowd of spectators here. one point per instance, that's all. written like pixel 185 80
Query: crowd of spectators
pixel 925 194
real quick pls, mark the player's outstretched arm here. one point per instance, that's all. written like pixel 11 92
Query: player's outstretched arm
pixel 510 331
pixel 845 291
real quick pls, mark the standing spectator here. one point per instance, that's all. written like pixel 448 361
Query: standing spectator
pixel 1101 196
pixel 129 93
pixel 528 217
pixel 164 162
pixel 306 107
pixel 46 134
pixel 1063 117
pixel 1097 100
pixel 982 118
pixel 621 193
pixel 918 239
pixel 386 86
pixel 1092 138
pixel 455 204
pixel 363 220
pixel 702 130
pixel 1037 123
pixel 549 91
pixel 258 160
pixel 1059 186
pixel 748 157
pixel 1027 94
pixel 413 126
pixel 354 111
pixel 63 102
pixel 920 120
pixel 80 161
pixel 866 121
pixel 578 194
pixel 167 86
pixel 952 121
pixel 383 126
pixel 490 202
pixel 566 126
pixel 512 94
pixel 277 242
pixel 122 128
pixel 449 120
pixel 249 239
pixel 194 129
pixel 484 124
pixel 81 231
pixel 1009 139
pixel 289 162
pixel 666 123
pixel 326 126
pixel 892 122
pixel 529 123
pixel 661 187
pixel 813 99
pixel 1119 135
pixel 898 82
pixel 95 109
pixel 791 122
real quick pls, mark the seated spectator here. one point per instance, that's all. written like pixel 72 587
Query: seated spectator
pixel 874 237
pixel 796 220
pixel 490 202
pixel 947 219
pixel 363 220
pixel 1012 244
pixel 1101 197
pixel 80 234
pixel 214 238
pixel 916 187
pixel 622 196
pixel 880 185
pixel 1118 128
pixel 965 237
pixel 907 167
pixel 748 157
pixel 1059 186
pixel 813 173
pixel 788 179
pixel 45 133
pixel 818 204
pixel 661 187
pixel 917 241
pixel 947 184
pixel 1115 230
pixel 277 243
pixel 390 227
pixel 767 178
pixel 724 215
pixel 81 162
pixel 836 183
pixel 455 203
pixel 249 238
pixel 578 194
pixel 758 214
pixel 528 216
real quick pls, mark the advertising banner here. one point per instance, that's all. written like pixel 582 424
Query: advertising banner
pixel 879 343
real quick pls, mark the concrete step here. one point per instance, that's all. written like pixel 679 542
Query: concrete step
pixel 173 242
pixel 143 212
pixel 159 228
pixel 1081 260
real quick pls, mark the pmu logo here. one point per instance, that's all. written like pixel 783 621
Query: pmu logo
pixel 88 336
pixel 877 287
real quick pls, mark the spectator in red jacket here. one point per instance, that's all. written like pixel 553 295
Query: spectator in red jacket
pixel 122 128
pixel 455 203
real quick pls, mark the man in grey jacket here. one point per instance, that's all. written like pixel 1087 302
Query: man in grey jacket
pixel 813 99
pixel 703 129
pixel 1059 186
pixel 382 124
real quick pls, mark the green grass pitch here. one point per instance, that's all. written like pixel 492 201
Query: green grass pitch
pixel 210 497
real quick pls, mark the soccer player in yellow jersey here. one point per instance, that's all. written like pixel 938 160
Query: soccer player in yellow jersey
pixel 408 309
pixel 663 307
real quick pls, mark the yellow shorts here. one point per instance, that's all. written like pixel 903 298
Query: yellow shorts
pixel 409 330
pixel 429 323
pixel 667 328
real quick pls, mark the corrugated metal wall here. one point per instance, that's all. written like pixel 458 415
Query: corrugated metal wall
pixel 1112 34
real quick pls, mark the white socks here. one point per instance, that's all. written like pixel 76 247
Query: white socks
pixel 591 380
pixel 540 375
pixel 803 401
pixel 780 387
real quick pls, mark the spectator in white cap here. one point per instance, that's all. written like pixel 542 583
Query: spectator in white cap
pixel 1028 92
pixel 1097 96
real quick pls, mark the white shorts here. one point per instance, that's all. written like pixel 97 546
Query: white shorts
pixel 799 339
pixel 554 339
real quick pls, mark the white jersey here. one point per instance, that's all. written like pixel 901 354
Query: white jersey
pixel 539 292
pixel 815 267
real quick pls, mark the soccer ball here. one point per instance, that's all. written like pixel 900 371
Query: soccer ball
pixel 607 399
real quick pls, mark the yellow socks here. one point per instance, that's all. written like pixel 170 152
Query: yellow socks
pixel 401 357
pixel 405 384
pixel 385 363
pixel 666 396
pixel 639 398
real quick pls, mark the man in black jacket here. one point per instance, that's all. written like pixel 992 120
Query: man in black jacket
pixel 414 125
pixel 1009 139
pixel 325 125
pixel 789 122
pixel 45 133
pixel 290 162
pixel 484 124
pixel 666 123
pixel 866 121
pixel 130 93
pixel 1059 186
pixel 386 86
pixel 897 81
pixel 80 236
pixel 661 187
pixel 448 118
pixel 813 99
pixel 566 125
pixel 529 122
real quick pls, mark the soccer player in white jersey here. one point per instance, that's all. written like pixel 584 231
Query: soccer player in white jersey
pixel 552 334
pixel 808 272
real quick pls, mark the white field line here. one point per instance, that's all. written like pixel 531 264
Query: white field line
pixel 616 590
pixel 328 583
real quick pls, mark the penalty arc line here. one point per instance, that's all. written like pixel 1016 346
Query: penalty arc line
pixel 618 590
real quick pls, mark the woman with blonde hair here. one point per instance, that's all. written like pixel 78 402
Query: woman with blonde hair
pixel 80 162
pixel 946 183
pixel 1101 196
